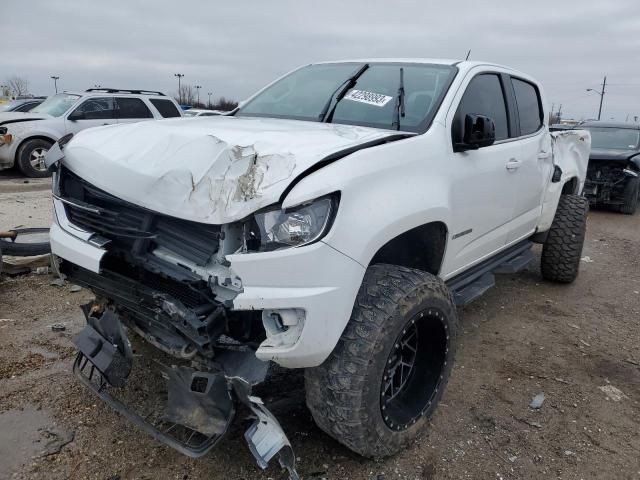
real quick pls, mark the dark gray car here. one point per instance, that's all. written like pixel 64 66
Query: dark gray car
pixel 613 175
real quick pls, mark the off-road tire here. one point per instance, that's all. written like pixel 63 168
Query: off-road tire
pixel 630 196
pixel 562 250
pixel 24 157
pixel 344 393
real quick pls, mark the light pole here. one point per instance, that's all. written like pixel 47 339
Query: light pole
pixel 198 87
pixel 601 93
pixel 55 82
pixel 210 93
pixel 179 75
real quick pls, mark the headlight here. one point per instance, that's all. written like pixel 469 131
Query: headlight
pixel 297 226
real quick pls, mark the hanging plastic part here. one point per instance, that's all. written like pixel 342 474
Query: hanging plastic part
pixel 265 437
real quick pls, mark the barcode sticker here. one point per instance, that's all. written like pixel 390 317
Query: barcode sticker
pixel 370 98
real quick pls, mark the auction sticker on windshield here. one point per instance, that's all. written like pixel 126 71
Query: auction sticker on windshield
pixel 370 98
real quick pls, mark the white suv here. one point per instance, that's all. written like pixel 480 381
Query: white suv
pixel 332 223
pixel 25 138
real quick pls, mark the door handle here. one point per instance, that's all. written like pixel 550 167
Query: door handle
pixel 513 165
pixel 543 155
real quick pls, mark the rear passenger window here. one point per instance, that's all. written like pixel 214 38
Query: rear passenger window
pixel 484 96
pixel 528 102
pixel 165 107
pixel 132 108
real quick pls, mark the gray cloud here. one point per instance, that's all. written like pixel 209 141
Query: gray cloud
pixel 234 48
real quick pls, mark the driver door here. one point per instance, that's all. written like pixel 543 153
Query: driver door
pixel 93 112
pixel 482 193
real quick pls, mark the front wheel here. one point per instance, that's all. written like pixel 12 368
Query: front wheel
pixel 385 377
pixel 630 196
pixel 31 158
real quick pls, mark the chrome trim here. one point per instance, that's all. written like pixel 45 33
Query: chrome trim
pixel 77 205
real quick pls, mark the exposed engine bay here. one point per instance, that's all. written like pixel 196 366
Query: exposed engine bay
pixel 606 181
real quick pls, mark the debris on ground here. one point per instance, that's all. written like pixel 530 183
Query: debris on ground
pixel 57 282
pixel 586 259
pixel 57 440
pixel 58 327
pixel 75 288
pixel 612 393
pixel 537 401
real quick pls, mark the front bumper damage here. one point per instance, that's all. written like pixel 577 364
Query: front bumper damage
pixel 200 404
pixel 606 181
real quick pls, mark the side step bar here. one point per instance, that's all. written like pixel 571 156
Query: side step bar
pixel 471 284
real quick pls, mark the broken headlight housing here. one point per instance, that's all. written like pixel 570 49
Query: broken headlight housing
pixel 293 227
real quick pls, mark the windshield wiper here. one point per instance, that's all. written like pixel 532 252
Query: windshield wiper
pixel 326 115
pixel 399 108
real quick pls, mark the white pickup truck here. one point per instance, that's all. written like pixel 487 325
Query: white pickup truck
pixel 333 223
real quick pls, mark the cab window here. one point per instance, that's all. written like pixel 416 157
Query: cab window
pixel 485 96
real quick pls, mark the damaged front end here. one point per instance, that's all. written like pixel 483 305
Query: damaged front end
pixel 166 281
pixel 607 178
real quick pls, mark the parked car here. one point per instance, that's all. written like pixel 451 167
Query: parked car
pixel 613 176
pixel 25 138
pixel 200 112
pixel 22 105
pixel 333 223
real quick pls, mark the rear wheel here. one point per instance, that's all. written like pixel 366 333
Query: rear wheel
pixel 385 377
pixel 562 250
pixel 31 158
pixel 630 196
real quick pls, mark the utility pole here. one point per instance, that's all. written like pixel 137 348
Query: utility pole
pixel 179 75
pixel 210 93
pixel 604 84
pixel 55 82
pixel 198 87
pixel 601 93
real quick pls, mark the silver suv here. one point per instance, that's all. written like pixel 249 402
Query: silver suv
pixel 25 138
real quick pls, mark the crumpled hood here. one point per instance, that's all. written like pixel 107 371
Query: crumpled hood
pixel 8 118
pixel 212 170
pixel 612 154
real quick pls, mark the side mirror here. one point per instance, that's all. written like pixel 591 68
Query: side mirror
pixel 479 131
pixel 76 115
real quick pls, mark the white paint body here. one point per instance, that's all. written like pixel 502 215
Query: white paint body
pixel 197 170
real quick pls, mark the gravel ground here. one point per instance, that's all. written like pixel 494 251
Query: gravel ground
pixel 577 344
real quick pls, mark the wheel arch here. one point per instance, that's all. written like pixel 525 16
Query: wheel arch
pixel 32 137
pixel 422 247
pixel 571 186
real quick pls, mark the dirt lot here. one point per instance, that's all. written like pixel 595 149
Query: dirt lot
pixel 579 344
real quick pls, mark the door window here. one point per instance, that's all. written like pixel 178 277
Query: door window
pixel 96 109
pixel 484 96
pixel 165 107
pixel 529 106
pixel 132 108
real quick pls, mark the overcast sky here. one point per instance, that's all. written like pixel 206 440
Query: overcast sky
pixel 233 48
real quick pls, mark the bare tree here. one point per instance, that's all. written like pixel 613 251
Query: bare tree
pixel 18 85
pixel 186 95
pixel 224 104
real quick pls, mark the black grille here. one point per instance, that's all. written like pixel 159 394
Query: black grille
pixel 131 227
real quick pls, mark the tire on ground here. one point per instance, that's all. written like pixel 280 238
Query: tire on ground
pixel 630 196
pixel 562 250
pixel 24 157
pixel 345 394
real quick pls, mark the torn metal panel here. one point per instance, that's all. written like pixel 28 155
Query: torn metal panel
pixel 216 170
